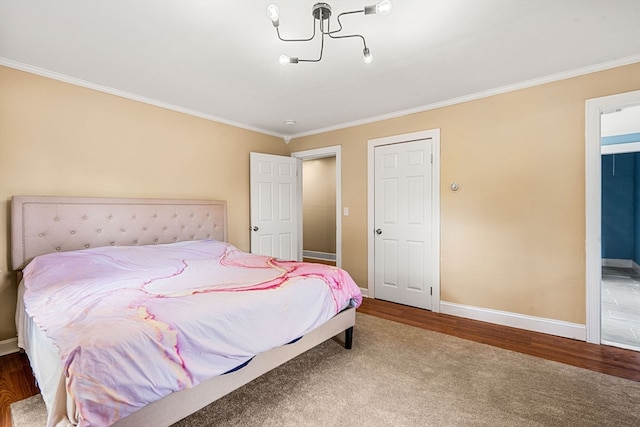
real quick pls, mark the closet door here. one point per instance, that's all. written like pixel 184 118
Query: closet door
pixel 402 233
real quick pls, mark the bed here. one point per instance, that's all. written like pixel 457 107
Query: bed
pixel 60 243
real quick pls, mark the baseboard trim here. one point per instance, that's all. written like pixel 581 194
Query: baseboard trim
pixel 635 267
pixel 9 346
pixel 617 344
pixel 319 255
pixel 365 292
pixel 516 320
pixel 620 263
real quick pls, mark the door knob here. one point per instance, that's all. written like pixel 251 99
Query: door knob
pixel 378 231
pixel 255 228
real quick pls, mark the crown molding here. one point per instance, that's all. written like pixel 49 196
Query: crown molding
pixel 123 94
pixel 287 138
pixel 483 94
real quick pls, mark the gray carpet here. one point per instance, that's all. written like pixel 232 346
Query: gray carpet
pixel 29 412
pixel 398 375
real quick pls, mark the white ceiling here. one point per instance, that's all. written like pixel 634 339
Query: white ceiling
pixel 219 59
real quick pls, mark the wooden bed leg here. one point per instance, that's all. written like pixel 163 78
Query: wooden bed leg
pixel 348 338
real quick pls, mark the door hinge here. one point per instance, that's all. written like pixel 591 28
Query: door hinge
pixel 431 291
pixel 432 159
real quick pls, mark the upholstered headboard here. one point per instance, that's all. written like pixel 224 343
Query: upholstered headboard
pixel 45 224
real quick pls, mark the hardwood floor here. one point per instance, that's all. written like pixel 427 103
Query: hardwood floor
pixel 17 383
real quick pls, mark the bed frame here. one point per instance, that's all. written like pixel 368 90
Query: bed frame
pixel 45 224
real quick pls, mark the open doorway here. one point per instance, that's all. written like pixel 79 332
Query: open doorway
pixel 620 286
pixel 319 210
pixel 320 229
pixel 612 224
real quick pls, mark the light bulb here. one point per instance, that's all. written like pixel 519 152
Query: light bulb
pixel 384 7
pixel 274 14
pixel 366 56
pixel 284 60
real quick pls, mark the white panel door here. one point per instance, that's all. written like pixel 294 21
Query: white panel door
pixel 403 215
pixel 274 220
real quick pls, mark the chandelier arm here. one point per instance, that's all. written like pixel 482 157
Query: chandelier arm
pixel 340 22
pixel 321 50
pixel 364 42
pixel 297 40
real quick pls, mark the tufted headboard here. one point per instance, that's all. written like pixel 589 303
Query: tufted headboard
pixel 45 224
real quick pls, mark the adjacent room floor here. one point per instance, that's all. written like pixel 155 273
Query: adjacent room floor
pixel 621 307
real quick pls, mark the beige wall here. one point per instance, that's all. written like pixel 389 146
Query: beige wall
pixel 60 139
pixel 319 205
pixel 512 238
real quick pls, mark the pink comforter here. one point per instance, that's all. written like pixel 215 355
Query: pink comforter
pixel 134 324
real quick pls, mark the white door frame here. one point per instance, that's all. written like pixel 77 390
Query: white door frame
pixel 320 153
pixel 593 206
pixel 434 135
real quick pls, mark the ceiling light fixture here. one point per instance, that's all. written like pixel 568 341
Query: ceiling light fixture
pixel 321 12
